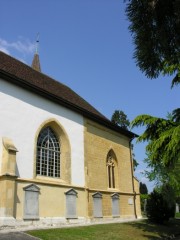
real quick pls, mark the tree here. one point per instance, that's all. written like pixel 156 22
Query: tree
pixel 158 209
pixel 120 118
pixel 135 163
pixel 163 149
pixel 143 188
pixel 155 27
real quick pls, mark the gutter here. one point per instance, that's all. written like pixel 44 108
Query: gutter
pixel 132 174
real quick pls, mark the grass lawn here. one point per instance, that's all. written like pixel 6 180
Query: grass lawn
pixel 139 230
pixel 178 215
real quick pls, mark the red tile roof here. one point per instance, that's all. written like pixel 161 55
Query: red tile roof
pixel 24 76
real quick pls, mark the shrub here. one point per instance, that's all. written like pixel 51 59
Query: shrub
pixel 158 209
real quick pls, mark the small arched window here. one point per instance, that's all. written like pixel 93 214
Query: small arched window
pixel 48 154
pixel 111 164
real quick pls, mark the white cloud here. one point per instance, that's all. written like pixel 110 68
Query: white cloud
pixel 4 49
pixel 23 46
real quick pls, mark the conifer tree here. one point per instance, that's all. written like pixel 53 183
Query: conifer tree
pixel 120 119
pixel 143 188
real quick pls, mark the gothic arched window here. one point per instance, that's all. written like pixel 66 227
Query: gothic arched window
pixel 111 164
pixel 48 154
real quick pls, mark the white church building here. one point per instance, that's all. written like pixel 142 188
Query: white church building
pixel 61 160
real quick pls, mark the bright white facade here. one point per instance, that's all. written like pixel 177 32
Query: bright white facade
pixel 22 113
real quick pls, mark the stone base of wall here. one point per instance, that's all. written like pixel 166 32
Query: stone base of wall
pixel 7 221
pixel 112 220
pixel 12 224
pixel 39 223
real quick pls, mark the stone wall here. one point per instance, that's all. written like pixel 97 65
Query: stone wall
pixel 98 142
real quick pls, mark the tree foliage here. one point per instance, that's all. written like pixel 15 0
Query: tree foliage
pixel 135 163
pixel 158 209
pixel 155 27
pixel 120 118
pixel 143 188
pixel 163 148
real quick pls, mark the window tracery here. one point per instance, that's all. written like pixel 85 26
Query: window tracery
pixel 48 154
pixel 111 171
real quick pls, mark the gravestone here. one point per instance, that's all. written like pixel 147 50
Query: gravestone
pixel 177 208
pixel 145 205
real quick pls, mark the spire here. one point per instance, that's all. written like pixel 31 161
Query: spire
pixel 36 63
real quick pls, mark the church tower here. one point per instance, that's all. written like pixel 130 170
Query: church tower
pixel 36 63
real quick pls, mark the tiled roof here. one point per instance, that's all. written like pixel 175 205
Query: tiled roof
pixel 23 75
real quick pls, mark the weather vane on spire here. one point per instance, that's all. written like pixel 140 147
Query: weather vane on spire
pixel 37 43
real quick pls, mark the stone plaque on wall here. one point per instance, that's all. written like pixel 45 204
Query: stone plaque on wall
pixel 71 198
pixel 115 205
pixel 97 205
pixel 130 201
pixel 31 202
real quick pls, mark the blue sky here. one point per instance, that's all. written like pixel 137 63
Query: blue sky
pixel 86 45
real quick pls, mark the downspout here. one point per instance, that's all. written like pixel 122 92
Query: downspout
pixel 132 174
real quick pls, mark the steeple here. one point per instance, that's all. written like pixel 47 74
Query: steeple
pixel 36 63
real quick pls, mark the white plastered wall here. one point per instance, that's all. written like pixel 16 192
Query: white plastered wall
pixel 0 151
pixel 22 113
